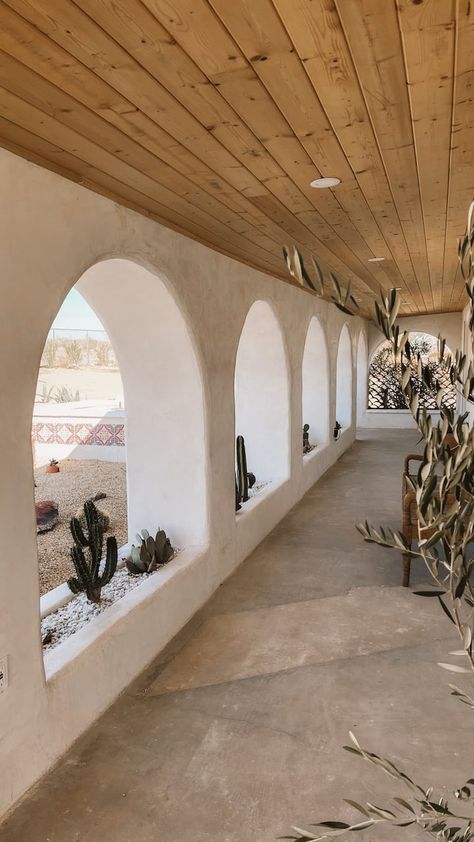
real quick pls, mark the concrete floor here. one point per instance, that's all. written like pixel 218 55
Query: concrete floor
pixel 235 732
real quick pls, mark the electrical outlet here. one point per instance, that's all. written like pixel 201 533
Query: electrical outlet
pixel 3 673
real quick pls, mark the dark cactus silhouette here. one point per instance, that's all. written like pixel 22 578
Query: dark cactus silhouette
pixel 89 577
pixel 237 496
pixel 242 478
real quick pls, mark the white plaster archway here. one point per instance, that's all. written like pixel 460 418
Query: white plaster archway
pixel 166 440
pixel 315 385
pixel 344 379
pixel 362 377
pixel 262 395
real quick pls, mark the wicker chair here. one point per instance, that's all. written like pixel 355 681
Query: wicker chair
pixel 410 523
pixel 409 514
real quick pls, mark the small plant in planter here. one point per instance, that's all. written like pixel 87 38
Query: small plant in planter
pixel 150 554
pixel 337 430
pixel 53 467
pixel 90 578
pixel 307 447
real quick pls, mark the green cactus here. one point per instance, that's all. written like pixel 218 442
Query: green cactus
pixel 237 496
pixel 89 577
pixel 150 553
pixel 104 518
pixel 242 476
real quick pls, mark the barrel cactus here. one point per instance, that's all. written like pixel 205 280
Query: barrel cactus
pixel 91 573
pixel 150 553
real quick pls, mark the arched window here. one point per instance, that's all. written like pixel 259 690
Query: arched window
pixel 78 435
pixel 384 375
pixel 315 391
pixel 164 421
pixel 261 395
pixel 344 380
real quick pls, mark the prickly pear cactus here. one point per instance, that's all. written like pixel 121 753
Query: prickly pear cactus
pixel 150 553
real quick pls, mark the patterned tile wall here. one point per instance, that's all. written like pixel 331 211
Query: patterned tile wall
pixel 68 433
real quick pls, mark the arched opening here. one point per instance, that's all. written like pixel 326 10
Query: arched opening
pixel 344 380
pixel 384 390
pixel 78 436
pixel 164 397
pixel 315 386
pixel 362 372
pixel 261 395
pixel 165 416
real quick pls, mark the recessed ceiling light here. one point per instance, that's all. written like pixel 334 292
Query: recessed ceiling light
pixel 325 182
pixel 375 259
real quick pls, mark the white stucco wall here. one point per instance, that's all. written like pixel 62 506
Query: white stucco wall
pixel 316 384
pixel 52 233
pixel 344 379
pixel 448 325
pixel 262 394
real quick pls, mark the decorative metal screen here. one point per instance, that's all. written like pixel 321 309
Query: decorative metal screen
pixel 384 376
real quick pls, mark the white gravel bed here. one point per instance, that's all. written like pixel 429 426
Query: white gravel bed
pixel 71 617
pixel 258 487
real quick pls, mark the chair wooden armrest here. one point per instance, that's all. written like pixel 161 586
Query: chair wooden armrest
pixel 411 457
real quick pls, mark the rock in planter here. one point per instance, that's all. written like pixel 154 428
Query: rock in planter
pixel 47 515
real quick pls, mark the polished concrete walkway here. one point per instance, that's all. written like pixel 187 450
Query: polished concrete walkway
pixel 235 733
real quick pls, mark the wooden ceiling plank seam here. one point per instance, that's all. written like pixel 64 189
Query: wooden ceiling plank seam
pixel 91 179
pixel 295 235
pixel 297 21
pixel 124 126
pixel 283 234
pixel 397 198
pixel 224 10
pixel 451 145
pixel 86 120
pixel 89 8
pixel 236 50
pixel 421 49
pixel 414 141
pixel 277 204
pixel 102 189
pixel 462 172
pixel 20 112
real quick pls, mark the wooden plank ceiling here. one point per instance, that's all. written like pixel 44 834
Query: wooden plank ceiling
pixel 213 117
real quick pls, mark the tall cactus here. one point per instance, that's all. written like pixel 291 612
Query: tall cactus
pixel 242 478
pixel 89 578
pixel 237 496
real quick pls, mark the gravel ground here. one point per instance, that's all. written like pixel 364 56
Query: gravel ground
pixel 77 481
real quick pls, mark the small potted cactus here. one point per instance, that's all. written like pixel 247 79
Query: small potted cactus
pixel 53 467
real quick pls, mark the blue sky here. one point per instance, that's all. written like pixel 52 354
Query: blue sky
pixel 76 314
